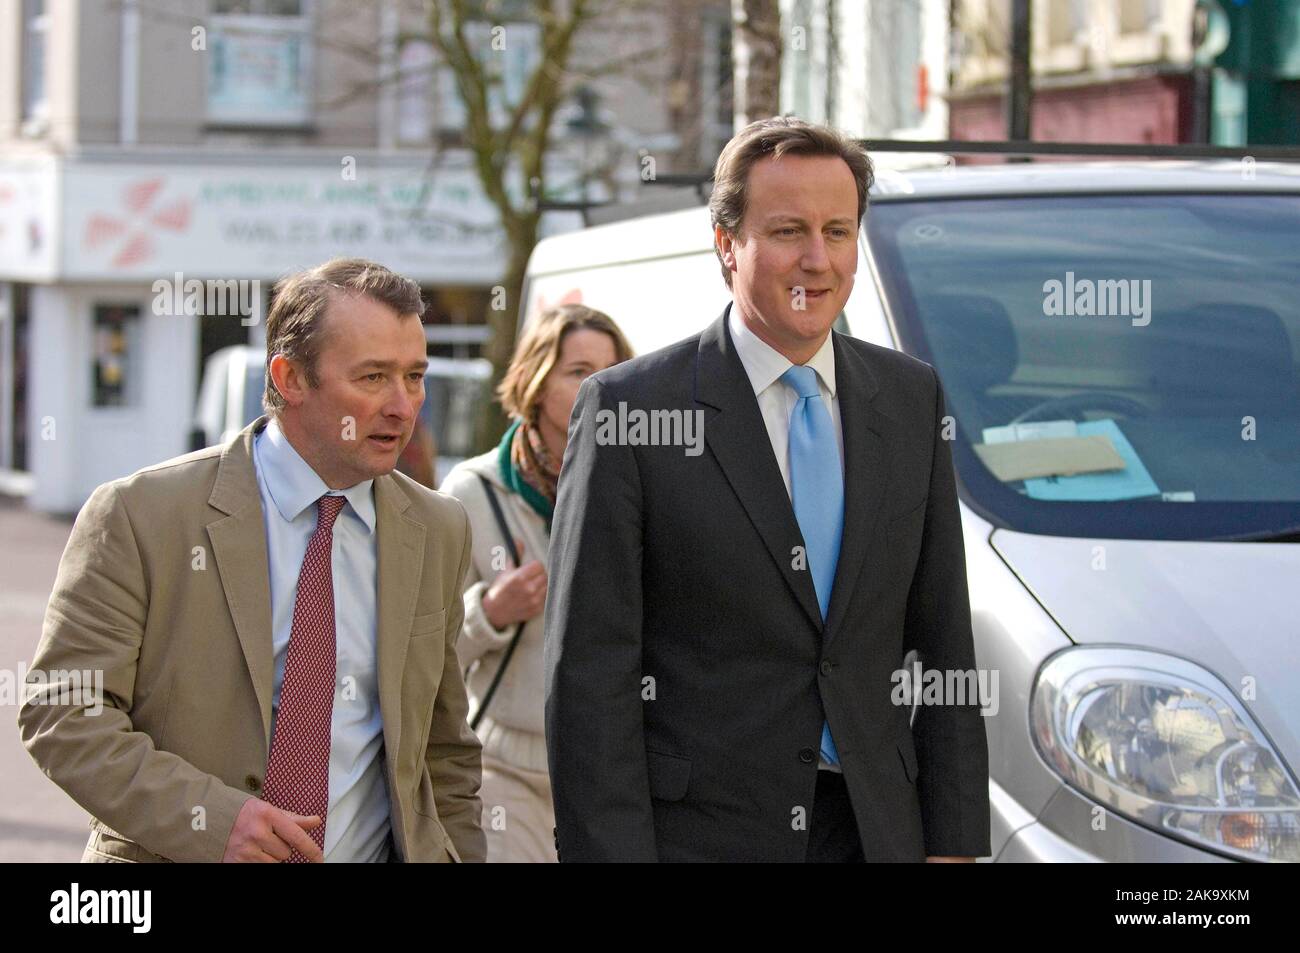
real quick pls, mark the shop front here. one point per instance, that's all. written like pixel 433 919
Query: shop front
pixel 120 273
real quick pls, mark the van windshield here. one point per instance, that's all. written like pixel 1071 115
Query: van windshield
pixel 1118 366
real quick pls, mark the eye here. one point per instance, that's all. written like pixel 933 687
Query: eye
pixel 788 230
pixel 840 232
pixel 415 376
pixel 375 378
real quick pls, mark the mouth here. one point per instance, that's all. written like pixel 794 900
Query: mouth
pixel 385 441
pixel 814 294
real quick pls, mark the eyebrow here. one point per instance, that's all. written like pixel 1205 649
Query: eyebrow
pixel 379 365
pixel 779 218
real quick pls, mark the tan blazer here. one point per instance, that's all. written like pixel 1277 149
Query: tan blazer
pixel 164 586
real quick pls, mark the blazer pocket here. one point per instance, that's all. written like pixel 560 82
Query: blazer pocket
pixel 907 751
pixel 670 775
pixel 429 624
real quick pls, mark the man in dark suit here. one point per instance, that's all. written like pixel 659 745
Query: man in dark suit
pixel 723 627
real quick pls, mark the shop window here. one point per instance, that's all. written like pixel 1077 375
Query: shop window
pixel 116 356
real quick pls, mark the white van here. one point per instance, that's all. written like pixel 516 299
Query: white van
pixel 1143 618
pixel 456 393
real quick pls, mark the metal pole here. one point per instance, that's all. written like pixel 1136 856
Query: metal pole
pixel 1019 93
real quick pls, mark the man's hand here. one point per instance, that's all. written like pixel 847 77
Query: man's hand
pixel 264 834
pixel 517 595
pixel 950 860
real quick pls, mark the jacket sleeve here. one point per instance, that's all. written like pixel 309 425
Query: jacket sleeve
pixel 952 751
pixel 478 637
pixel 95 622
pixel 454 753
pixel 594 730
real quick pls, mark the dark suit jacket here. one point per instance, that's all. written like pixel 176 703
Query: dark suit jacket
pixel 688 669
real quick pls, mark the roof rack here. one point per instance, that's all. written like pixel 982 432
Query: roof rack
pixel 1139 150
pixel 1014 148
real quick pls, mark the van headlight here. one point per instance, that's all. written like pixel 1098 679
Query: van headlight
pixel 1165 743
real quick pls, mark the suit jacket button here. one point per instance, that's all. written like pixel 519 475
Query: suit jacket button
pixel 826 668
pixel 806 755
pixel 253 783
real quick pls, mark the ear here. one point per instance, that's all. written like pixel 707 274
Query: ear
pixel 725 243
pixel 289 379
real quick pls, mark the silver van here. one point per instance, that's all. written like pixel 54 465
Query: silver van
pixel 1119 345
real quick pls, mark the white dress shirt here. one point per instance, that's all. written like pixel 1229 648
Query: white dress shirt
pixel 357 825
pixel 764 365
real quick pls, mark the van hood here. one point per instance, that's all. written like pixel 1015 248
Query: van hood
pixel 1232 608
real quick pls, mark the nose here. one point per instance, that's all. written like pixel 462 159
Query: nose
pixel 815 258
pixel 402 404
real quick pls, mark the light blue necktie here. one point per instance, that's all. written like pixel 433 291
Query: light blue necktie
pixel 817 486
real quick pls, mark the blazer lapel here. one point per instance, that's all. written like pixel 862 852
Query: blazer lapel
pixel 239 551
pixel 736 434
pixel 866 472
pixel 400 558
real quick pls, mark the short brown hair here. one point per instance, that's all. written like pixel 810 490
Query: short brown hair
pixel 295 325
pixel 775 137
pixel 539 349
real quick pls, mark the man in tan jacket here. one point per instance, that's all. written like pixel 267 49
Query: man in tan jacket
pixel 275 619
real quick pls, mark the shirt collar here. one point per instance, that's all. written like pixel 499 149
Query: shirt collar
pixel 765 365
pixel 294 485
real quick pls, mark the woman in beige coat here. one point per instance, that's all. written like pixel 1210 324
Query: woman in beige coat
pixel 560 350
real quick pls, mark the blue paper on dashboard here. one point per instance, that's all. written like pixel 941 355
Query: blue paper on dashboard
pixel 1128 484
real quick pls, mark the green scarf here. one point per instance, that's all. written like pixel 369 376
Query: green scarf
pixel 515 481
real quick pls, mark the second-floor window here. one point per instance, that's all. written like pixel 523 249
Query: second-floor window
pixel 416 89
pixel 260 62
pixel 35 28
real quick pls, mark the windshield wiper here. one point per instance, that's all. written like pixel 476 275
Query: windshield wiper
pixel 1291 535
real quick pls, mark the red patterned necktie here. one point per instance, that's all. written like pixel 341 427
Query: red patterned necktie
pixel 298 771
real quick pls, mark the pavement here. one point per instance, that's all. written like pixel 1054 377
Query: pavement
pixel 38 822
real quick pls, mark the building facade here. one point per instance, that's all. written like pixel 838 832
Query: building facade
pixel 1103 70
pixel 876 69
pixel 162 165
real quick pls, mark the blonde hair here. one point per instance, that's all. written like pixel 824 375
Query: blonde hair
pixel 539 350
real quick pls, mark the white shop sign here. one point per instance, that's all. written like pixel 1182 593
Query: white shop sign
pixel 28 236
pixel 146 221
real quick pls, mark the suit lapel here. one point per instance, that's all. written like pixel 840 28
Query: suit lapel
pixel 239 551
pixel 866 472
pixel 735 432
pixel 400 558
